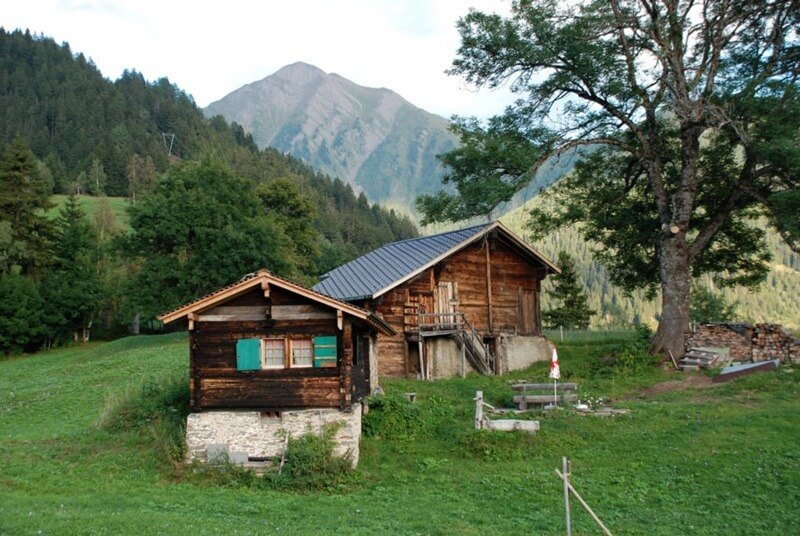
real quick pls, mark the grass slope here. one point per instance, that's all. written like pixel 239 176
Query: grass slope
pixel 91 204
pixel 690 459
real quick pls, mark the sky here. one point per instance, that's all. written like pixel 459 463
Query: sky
pixel 209 49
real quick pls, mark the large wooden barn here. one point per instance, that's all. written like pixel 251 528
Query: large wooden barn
pixel 267 357
pixel 458 301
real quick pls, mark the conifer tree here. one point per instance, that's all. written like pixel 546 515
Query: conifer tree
pixel 71 289
pixel 573 310
pixel 23 201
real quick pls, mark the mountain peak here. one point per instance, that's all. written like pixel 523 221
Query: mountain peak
pixel 370 137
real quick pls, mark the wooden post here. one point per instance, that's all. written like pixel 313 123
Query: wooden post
pixel 584 504
pixel 421 360
pixel 565 469
pixel 488 284
pixel 478 410
pixel 463 356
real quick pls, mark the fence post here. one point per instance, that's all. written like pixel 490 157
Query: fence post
pixel 565 472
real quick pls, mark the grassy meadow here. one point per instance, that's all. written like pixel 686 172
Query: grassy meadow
pixel 691 458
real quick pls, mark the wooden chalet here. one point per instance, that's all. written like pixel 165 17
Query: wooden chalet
pixel 268 344
pixel 458 301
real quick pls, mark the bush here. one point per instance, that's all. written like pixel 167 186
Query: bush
pixel 627 358
pixel 393 417
pixel 310 463
pixel 158 407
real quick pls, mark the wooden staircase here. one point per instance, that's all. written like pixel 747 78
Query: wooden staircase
pixel 457 326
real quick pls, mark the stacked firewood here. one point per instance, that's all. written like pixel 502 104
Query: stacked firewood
pixel 703 358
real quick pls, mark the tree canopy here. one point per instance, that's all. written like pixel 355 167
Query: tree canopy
pixel 687 114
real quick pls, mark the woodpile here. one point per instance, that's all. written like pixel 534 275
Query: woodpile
pixel 747 342
pixel 703 358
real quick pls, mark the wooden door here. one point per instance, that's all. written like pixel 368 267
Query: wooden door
pixel 529 319
pixel 446 300
pixel 360 370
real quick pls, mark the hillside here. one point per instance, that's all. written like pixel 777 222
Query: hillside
pixel 76 122
pixel 373 138
pixel 729 452
pixel 774 301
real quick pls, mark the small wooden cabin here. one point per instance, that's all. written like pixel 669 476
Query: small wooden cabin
pixel 458 301
pixel 265 355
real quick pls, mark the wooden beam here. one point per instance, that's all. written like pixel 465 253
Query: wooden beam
pixel 192 317
pixel 488 283
pixel 265 287
pixel 339 319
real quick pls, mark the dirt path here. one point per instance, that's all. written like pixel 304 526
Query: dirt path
pixel 689 382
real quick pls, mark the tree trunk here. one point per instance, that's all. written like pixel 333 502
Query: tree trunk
pixel 675 286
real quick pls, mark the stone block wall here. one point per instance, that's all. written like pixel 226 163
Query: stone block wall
pixel 250 434
pixel 519 352
pixel 747 342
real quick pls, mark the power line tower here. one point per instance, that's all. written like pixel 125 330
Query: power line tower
pixel 171 136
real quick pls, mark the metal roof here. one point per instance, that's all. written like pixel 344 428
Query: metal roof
pixel 382 269
pixel 366 276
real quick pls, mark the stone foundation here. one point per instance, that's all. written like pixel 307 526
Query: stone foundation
pixel 245 435
pixel 514 352
pixel 518 352
pixel 747 342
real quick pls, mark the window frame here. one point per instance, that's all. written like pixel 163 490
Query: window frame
pixel 264 365
pixel 291 347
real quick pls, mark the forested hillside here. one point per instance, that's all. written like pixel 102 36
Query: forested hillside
pixel 206 205
pixel 774 300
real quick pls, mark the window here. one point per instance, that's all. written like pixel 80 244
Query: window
pixel 280 353
pixel 273 353
pixel 300 353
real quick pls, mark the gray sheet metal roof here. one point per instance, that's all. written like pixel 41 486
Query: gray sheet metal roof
pixel 369 274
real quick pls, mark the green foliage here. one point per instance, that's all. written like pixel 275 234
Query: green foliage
pixel 627 358
pixel 393 417
pixel 202 228
pixel 491 165
pixel 573 310
pixel 707 306
pixel 310 463
pixel 21 318
pixel 158 408
pixel 71 288
pixel 23 198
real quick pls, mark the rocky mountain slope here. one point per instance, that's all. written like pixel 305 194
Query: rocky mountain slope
pixel 373 138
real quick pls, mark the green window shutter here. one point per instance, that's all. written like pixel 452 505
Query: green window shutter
pixel 248 354
pixel 325 351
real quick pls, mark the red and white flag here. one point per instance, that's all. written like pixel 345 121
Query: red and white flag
pixel 555 371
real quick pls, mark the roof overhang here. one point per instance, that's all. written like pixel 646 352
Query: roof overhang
pixel 265 279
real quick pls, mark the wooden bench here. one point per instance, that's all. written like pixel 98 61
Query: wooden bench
pixel 566 392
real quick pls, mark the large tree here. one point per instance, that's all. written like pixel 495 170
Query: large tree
pixel 24 197
pixel 685 112
pixel 201 228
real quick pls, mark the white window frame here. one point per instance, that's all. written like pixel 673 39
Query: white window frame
pixel 292 343
pixel 264 364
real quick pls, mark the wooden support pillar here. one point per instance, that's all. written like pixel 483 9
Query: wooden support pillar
pixel 488 284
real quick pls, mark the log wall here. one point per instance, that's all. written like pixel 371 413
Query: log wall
pixel 215 381
pixel 490 300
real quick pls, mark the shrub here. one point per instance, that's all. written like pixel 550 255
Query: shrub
pixel 393 417
pixel 628 357
pixel 310 463
pixel 158 407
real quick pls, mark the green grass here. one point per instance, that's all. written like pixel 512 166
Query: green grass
pixel 716 460
pixel 90 205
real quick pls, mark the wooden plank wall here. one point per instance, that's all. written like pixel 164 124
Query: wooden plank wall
pixel 215 382
pixel 510 272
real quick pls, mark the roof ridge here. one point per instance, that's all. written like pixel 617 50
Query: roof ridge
pixel 438 234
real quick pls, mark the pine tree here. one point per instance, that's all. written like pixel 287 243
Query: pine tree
pixel 573 312
pixel 71 289
pixel 23 201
